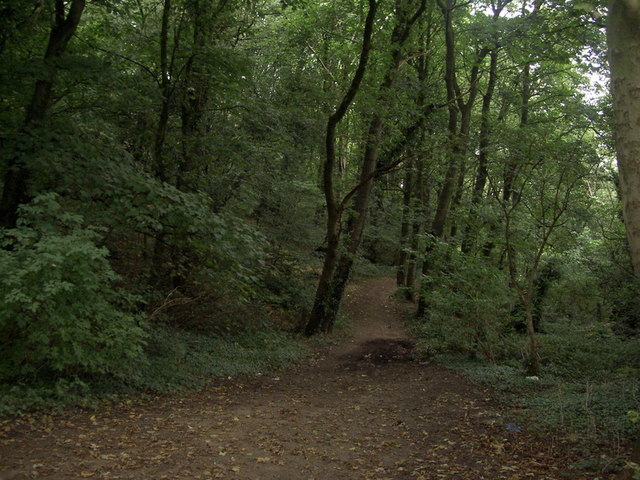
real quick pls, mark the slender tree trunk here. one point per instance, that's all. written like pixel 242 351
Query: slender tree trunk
pixel 533 364
pixel 158 268
pixel 405 227
pixel 525 293
pixel 16 180
pixel 196 92
pixel 422 188
pixel 483 156
pixel 356 223
pixel 512 165
pixel 448 187
pixel 323 290
pixel 459 193
pixel 420 222
pixel 165 91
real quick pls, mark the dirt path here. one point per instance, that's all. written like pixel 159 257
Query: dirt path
pixel 364 409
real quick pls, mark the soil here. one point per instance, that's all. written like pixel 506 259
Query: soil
pixel 364 408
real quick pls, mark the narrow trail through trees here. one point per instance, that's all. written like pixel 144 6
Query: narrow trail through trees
pixel 362 409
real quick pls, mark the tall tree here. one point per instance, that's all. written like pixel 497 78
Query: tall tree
pixel 334 207
pixel 623 37
pixel 326 304
pixel 484 137
pixel 66 18
pixel 458 128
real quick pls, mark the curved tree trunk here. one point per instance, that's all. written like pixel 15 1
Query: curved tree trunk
pixel 323 291
pixel 356 223
pixel 482 172
pixel 16 180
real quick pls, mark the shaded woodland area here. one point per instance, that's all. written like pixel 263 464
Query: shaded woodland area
pixel 189 185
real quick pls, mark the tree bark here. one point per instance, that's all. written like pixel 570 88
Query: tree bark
pixel 166 92
pixel 196 91
pixel 356 222
pixel 623 37
pixel 355 225
pixel 420 223
pixel 334 212
pixel 512 165
pixel 457 139
pixel 448 186
pixel 483 156
pixel 16 180
pixel 405 237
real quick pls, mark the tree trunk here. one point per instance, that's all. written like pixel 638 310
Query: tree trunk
pixel 405 237
pixel 420 223
pixel 159 272
pixel 512 165
pixel 623 37
pixel 16 180
pixel 455 102
pixel 166 92
pixel 196 93
pixel 421 189
pixel 459 193
pixel 533 364
pixel 483 157
pixel 323 290
pixel 356 223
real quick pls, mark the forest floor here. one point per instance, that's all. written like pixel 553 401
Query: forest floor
pixel 363 408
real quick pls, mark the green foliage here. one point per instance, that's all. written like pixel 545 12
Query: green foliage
pixel 580 406
pixel 288 281
pixel 16 398
pixel 186 359
pixel 469 307
pixel 590 409
pixel 174 359
pixel 101 179
pixel 222 208
pixel 581 352
pixel 60 311
pixel 589 381
pixel 589 378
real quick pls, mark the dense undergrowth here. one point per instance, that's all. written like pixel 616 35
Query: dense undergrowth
pixel 173 359
pixel 588 407
pixel 87 314
pixel 589 382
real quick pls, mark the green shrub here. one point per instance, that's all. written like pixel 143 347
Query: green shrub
pixel 577 352
pixel 60 312
pixel 587 386
pixel 22 397
pixel 179 358
pixel 469 305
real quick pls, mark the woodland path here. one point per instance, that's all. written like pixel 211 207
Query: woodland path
pixel 361 409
